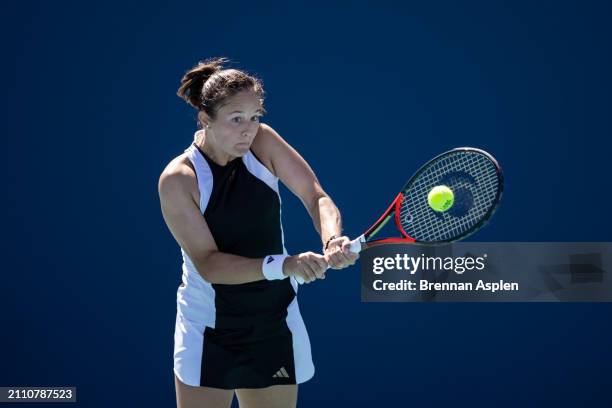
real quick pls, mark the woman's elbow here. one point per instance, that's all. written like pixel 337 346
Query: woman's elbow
pixel 204 264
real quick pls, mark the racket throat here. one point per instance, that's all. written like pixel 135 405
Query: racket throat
pixel 365 241
pixel 382 221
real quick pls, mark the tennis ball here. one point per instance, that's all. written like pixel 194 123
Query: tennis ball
pixel 440 198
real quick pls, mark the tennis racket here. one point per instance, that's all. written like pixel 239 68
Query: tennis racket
pixel 476 180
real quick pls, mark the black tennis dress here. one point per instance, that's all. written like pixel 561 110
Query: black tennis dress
pixel 249 335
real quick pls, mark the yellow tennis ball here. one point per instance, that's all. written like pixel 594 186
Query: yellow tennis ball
pixel 440 198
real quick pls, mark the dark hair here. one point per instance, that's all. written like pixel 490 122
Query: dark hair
pixel 208 85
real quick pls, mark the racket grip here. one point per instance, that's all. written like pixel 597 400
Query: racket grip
pixel 356 245
pixel 354 248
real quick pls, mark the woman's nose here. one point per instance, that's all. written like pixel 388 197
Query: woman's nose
pixel 251 129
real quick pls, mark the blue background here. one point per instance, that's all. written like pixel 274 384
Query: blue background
pixel 367 92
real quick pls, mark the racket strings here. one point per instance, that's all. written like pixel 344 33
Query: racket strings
pixel 473 178
pixel 461 224
pixel 458 225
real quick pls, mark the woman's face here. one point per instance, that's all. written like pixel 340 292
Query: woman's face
pixel 236 123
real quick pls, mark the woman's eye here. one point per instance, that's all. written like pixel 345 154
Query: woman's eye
pixel 236 119
pixel 256 118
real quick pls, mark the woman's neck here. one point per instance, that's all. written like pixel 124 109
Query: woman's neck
pixel 207 145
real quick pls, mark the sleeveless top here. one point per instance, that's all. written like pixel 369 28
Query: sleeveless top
pixel 242 208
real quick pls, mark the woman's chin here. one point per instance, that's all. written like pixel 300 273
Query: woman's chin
pixel 241 149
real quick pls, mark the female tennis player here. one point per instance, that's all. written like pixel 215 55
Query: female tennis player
pixel 238 324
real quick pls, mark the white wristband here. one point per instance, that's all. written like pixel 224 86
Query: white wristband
pixel 272 267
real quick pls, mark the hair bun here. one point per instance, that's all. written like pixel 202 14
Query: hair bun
pixel 193 81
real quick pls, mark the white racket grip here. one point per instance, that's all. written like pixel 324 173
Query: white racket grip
pixel 356 244
pixel 354 248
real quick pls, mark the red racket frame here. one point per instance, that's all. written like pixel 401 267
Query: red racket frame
pixel 395 207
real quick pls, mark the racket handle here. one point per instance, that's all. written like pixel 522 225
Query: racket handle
pixel 354 248
pixel 356 245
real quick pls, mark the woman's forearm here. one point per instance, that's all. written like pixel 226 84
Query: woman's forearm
pixel 326 218
pixel 229 269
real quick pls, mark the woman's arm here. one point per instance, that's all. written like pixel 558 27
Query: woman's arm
pixel 182 215
pixel 287 164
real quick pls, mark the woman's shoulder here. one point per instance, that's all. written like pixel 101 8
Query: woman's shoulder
pixel 265 145
pixel 179 176
pixel 266 135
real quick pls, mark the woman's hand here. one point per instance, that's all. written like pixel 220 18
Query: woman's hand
pixel 338 253
pixel 308 265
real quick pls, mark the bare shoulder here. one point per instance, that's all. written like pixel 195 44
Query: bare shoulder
pixel 266 136
pixel 178 177
pixel 266 145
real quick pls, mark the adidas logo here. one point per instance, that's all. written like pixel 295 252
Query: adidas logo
pixel 270 259
pixel 282 373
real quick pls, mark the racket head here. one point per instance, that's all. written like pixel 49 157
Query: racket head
pixel 477 183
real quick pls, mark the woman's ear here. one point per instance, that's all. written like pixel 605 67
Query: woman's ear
pixel 203 119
